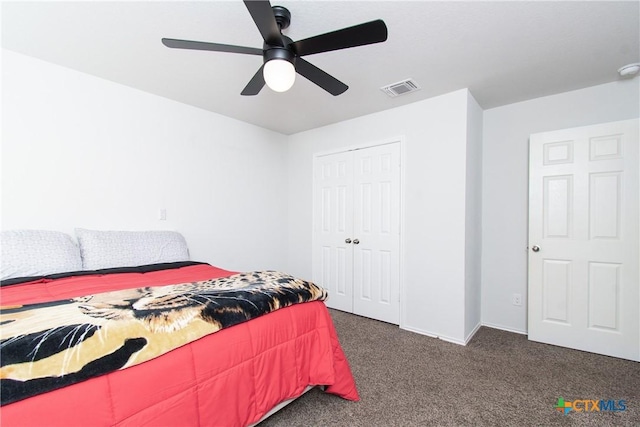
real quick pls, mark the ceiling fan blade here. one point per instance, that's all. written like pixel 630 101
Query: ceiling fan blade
pixel 262 14
pixel 217 47
pixel 319 77
pixel 255 85
pixel 358 35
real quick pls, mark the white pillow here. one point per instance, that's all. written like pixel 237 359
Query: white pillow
pixel 27 253
pixel 110 249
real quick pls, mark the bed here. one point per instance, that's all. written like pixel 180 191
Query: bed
pixel 233 376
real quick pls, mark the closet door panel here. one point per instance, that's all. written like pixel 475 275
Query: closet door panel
pixel 376 241
pixel 333 224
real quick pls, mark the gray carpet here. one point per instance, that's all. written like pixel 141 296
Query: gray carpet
pixel 498 379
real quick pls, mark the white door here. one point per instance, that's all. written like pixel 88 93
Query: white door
pixel 356 250
pixel 376 233
pixel 332 228
pixel 583 239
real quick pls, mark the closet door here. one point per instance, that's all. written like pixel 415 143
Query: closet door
pixel 332 228
pixel 356 230
pixel 376 232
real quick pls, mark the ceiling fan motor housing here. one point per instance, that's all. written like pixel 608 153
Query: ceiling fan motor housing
pixel 283 19
pixel 278 52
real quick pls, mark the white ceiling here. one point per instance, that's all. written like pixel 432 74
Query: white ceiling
pixel 503 52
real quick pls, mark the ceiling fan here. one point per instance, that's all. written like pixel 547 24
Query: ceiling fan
pixel 282 57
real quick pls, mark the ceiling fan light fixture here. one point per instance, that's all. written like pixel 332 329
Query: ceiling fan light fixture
pixel 282 57
pixel 279 74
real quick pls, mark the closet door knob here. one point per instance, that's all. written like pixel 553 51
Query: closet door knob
pixel 347 240
pixel 535 248
pixel 356 241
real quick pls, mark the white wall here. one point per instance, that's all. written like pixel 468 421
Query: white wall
pixel 505 184
pixel 434 175
pixel 79 151
pixel 473 222
pixel 242 195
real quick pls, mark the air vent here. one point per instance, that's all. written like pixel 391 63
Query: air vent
pixel 400 88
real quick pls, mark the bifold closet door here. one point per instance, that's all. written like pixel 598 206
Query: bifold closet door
pixel 376 227
pixel 333 223
pixel 357 230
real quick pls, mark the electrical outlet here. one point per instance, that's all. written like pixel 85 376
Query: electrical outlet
pixel 516 299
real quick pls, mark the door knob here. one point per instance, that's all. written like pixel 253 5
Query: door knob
pixel 347 240
pixel 356 241
pixel 535 248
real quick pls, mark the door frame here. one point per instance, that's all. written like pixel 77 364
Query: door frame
pixel 359 146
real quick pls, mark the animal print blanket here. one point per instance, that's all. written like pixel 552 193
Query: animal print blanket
pixel 54 344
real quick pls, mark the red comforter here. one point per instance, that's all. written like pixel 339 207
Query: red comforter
pixel 230 378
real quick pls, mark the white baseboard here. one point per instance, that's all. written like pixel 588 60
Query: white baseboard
pixel 457 340
pixel 472 333
pixel 418 331
pixel 452 340
pixel 432 335
pixel 504 328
